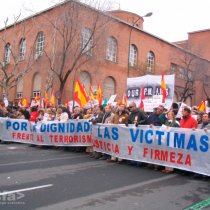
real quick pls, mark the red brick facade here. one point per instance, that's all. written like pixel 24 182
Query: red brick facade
pixel 167 56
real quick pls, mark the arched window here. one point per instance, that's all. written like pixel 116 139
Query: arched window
pixel 7 53
pixel 39 44
pixel 109 87
pixel 133 55
pixel 188 101
pixel 85 80
pixel 19 91
pixel 150 61
pixel 36 86
pixel 175 97
pixel 22 49
pixel 111 52
pixel 86 41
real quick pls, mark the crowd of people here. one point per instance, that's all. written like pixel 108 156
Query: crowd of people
pixel 120 114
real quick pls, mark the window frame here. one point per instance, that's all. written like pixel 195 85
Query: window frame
pixel 111 51
pixel 133 55
pixel 150 62
pixel 40 39
pixel 86 41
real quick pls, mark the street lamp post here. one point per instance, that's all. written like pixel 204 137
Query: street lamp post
pixel 129 41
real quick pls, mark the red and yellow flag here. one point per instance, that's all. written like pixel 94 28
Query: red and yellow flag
pixel 53 99
pixel 141 105
pixel 80 95
pixel 124 101
pixel 202 106
pixel 163 88
pixel 24 103
pixel 92 97
pixel 99 95
pixel 46 99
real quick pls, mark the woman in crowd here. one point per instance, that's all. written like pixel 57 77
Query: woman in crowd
pixel 171 122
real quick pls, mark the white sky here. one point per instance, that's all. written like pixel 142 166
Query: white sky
pixel 171 19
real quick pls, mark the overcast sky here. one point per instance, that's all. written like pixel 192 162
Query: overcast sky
pixel 171 19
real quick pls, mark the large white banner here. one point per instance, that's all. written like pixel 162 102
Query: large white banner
pixel 174 147
pixel 151 84
pixel 71 133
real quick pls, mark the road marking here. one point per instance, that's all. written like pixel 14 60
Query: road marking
pixel 11 147
pixel 37 161
pixel 101 197
pixel 26 189
pixel 199 205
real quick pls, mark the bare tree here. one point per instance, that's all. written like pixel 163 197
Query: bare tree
pixel 77 30
pixel 189 69
pixel 14 64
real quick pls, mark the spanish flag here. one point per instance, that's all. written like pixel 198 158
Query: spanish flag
pixel 24 103
pixel 46 99
pixel 80 95
pixel 92 97
pixel 202 106
pixel 53 99
pixel 163 88
pixel 99 95
pixel 124 101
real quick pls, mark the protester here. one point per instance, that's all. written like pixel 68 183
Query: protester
pixel 154 118
pixel 136 116
pixel 171 122
pixel 205 122
pixel 187 120
pixel 20 114
pixel 33 114
pixel 120 117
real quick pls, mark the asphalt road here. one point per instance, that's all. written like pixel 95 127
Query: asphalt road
pixel 40 178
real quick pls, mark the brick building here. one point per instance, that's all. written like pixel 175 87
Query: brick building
pixel 74 40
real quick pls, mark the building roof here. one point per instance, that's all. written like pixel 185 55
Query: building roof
pixel 114 18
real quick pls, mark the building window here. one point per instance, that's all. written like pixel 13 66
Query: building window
pixel 86 41
pixel 175 97
pixel 111 52
pixel 188 101
pixel 173 68
pixel 109 87
pixel 206 80
pixel 19 91
pixel 39 44
pixel 36 93
pixel 133 55
pixel 7 53
pixel 150 62
pixel 22 49
pixel 181 73
pixel 19 95
pixel 85 80
pixel 36 86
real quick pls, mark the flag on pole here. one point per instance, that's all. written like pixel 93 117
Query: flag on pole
pixel 53 99
pixel 92 97
pixel 85 92
pixel 24 103
pixel 99 95
pixel 141 105
pixel 124 101
pixel 202 106
pixel 163 88
pixel 46 99
pixel 79 94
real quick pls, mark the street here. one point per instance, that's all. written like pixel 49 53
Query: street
pixel 53 178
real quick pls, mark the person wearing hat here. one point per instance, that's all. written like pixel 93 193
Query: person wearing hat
pixel 187 120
